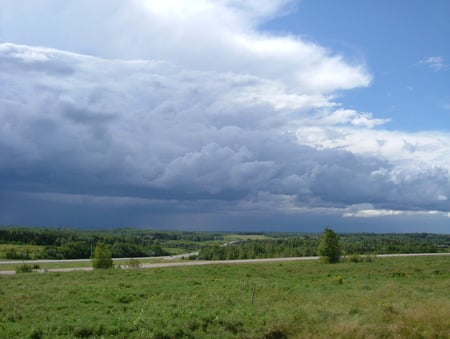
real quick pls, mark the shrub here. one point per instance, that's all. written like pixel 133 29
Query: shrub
pixel 24 268
pixel 102 256
pixel 355 258
pixel 12 253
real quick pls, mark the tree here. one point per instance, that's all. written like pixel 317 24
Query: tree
pixel 329 248
pixel 102 256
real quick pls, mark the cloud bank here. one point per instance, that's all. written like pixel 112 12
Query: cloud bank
pixel 186 111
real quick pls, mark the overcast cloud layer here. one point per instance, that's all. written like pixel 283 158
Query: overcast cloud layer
pixel 183 114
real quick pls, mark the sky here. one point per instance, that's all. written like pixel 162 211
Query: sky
pixel 226 115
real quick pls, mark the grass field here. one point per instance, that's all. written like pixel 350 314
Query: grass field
pixel 390 297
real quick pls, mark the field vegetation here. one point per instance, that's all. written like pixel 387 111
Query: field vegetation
pixel 381 298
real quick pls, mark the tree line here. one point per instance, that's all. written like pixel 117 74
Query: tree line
pixel 308 245
pixel 58 243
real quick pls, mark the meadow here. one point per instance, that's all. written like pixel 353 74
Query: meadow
pixel 388 297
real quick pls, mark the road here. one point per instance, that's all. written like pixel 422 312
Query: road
pixel 49 261
pixel 191 262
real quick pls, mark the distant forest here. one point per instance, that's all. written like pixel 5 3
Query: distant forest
pixel 51 243
pixel 55 243
pixel 307 245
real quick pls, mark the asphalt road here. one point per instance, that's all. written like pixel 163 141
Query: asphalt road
pixel 190 262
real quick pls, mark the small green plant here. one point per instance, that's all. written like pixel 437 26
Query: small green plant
pixel 354 310
pixel 398 274
pixel 125 299
pixel 338 279
pixel 84 332
pixel 37 333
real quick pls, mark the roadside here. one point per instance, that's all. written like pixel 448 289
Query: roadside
pixel 178 261
pixel 49 261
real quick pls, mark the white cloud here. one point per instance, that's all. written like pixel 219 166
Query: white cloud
pixel 436 63
pixel 199 34
pixel 376 213
pixel 372 213
pixel 345 117
pixel 405 149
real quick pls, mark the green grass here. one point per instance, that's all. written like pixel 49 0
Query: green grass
pixel 395 297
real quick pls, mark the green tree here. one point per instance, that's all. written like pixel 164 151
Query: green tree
pixel 329 248
pixel 102 256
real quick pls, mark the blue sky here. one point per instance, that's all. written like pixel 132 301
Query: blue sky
pixel 269 115
pixel 395 39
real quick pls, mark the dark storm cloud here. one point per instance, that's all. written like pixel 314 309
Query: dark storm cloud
pixel 149 139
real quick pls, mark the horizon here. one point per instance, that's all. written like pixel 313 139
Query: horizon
pixel 251 116
pixel 130 228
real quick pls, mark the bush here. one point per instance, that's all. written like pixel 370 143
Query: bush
pixel 102 257
pixel 24 268
pixel 355 258
pixel 12 253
